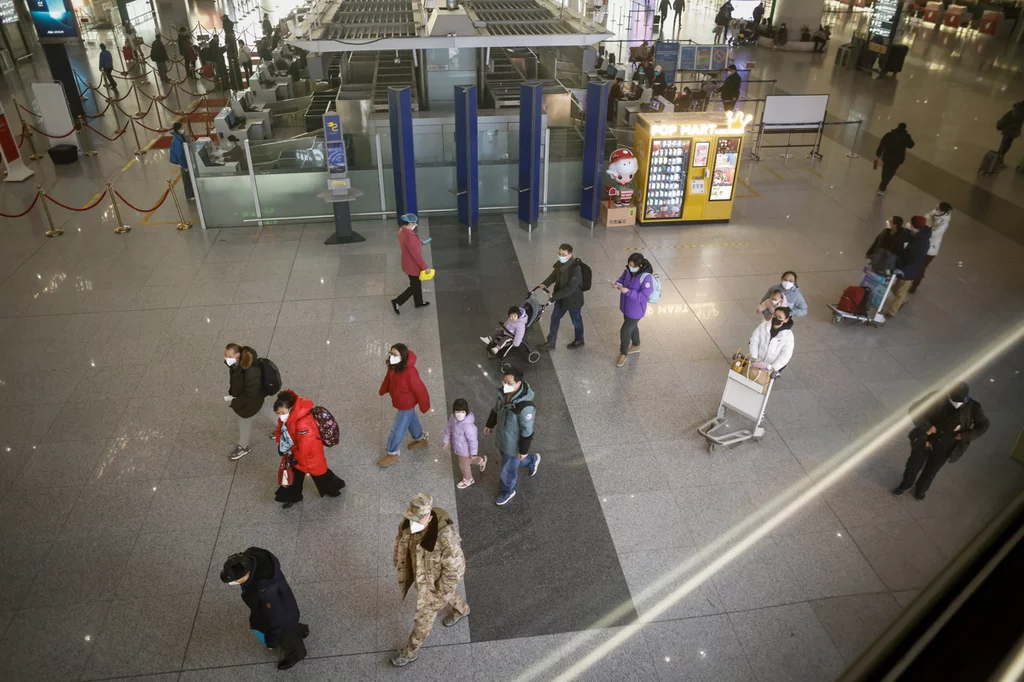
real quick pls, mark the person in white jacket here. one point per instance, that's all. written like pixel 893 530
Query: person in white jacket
pixel 772 343
pixel 938 220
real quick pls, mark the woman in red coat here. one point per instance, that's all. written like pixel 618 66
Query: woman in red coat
pixel 403 383
pixel 298 435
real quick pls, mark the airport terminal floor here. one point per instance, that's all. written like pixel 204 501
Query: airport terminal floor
pixel 634 553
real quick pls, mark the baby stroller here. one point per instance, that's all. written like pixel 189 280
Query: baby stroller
pixel 743 33
pixel 534 307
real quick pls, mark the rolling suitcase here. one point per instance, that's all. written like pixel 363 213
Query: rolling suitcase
pixel 989 163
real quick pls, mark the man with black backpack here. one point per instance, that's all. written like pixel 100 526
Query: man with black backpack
pixel 512 423
pixel 251 379
pixel 571 277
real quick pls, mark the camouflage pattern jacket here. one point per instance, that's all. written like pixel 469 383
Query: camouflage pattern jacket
pixel 432 559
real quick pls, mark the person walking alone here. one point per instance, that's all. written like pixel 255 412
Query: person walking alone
pixel 679 6
pixel 177 157
pixel 107 68
pixel 402 382
pixel 635 286
pixel 938 221
pixel 245 393
pixel 273 611
pixel 892 152
pixel 412 262
pixel 512 423
pixel 428 554
pixel 567 277
pixel 158 53
pixel 1010 125
pixel 944 427
pixel 663 11
pixel 298 437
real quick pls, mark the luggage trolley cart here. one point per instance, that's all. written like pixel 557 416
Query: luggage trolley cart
pixel 880 287
pixel 742 400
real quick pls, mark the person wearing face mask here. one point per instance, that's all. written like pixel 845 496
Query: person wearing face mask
pixel 791 290
pixel 273 611
pixel 892 234
pixel 910 257
pixel 234 152
pixel 461 436
pixel 634 286
pixel 298 435
pixel 944 427
pixel 428 554
pixel 512 423
pixel 567 276
pixel 412 262
pixel 245 393
pixel 938 221
pixel 402 382
pixel 772 343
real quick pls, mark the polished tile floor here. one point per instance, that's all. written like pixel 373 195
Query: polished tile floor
pixel 119 502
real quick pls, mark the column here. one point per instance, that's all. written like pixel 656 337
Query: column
pixel 530 100
pixel 467 158
pixel 593 149
pixel 797 13
pixel 400 115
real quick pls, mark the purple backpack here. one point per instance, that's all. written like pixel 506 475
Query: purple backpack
pixel 330 434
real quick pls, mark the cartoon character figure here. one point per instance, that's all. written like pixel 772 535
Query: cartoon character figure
pixel 622 166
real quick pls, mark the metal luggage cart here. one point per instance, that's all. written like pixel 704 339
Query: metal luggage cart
pixel 743 402
pixel 881 287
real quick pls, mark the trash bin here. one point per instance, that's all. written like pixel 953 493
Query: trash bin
pixel 895 58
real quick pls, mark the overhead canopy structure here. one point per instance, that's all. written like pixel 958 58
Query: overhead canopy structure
pixel 362 25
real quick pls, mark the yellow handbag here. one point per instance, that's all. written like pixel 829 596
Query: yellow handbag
pixel 427 275
pixel 740 362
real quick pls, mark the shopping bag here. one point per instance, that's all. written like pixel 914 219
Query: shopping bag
pixel 874 166
pixel 427 275
pixel 758 376
pixel 740 362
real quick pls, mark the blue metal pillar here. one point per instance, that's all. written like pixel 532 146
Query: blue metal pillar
pixel 400 114
pixel 467 157
pixel 593 149
pixel 530 133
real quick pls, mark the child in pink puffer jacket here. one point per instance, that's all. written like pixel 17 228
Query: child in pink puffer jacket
pixel 461 435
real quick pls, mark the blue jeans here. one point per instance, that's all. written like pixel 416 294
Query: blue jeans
pixel 557 311
pixel 510 470
pixel 405 420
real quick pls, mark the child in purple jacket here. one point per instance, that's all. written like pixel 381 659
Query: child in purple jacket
pixel 461 435
pixel 635 287
pixel 510 333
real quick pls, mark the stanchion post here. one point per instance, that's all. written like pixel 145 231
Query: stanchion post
pixel 53 231
pixel 137 114
pixel 138 147
pixel 78 79
pixel 34 155
pixel 86 142
pixel 206 103
pixel 121 227
pixel 852 154
pixel 113 105
pixel 156 105
pixel 177 98
pixel 182 223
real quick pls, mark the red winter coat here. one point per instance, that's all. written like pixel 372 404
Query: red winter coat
pixel 308 450
pixel 406 388
pixel 412 253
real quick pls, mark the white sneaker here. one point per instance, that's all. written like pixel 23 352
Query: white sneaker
pixel 486 340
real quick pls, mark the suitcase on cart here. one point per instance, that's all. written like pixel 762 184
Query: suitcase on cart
pixel 989 163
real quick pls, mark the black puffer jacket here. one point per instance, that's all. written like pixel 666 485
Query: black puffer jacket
pixel 246 384
pixel 894 145
pixel 1012 121
pixel 937 411
pixel 567 278
pixel 272 606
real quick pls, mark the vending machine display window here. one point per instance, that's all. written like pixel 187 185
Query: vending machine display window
pixel 666 179
pixel 700 154
pixel 723 178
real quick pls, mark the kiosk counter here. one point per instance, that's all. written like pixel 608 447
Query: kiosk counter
pixel 688 165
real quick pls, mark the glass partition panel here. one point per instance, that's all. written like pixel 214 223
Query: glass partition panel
pixel 222 181
pixel 564 183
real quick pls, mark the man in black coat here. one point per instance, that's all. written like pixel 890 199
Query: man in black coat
pixel 910 256
pixel 730 90
pixel 567 276
pixel 892 152
pixel 273 611
pixel 944 427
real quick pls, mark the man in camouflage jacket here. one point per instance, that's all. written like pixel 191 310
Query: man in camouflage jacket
pixel 428 554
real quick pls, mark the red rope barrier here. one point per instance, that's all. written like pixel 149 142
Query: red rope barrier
pixel 153 130
pixel 78 210
pixel 29 111
pixel 30 207
pixel 52 137
pixel 115 99
pixel 22 140
pixel 109 139
pixel 144 210
pixel 100 114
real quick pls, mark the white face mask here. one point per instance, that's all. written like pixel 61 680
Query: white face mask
pixel 413 226
pixel 888 225
pixel 509 389
pixel 787 285
pixel 563 259
pixel 416 527
pixel 459 416
pixel 283 417
pixel 394 359
pixel 954 404
pixel 230 361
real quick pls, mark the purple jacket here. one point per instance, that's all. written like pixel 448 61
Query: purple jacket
pixel 633 303
pixel 462 435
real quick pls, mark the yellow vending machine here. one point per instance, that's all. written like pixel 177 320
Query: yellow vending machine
pixel 688 165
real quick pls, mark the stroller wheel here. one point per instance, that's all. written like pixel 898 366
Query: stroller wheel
pixel 533 357
pixel 505 367
pixel 837 319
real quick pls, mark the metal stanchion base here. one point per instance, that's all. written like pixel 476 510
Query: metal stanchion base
pixel 92 153
pixel 852 155
pixel 785 156
pixel 184 226
pixel 141 151
pixel 54 233
pixel 35 157
pixel 122 229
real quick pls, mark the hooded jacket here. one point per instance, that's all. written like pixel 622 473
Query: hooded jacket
pixel 431 559
pixel 246 384
pixel 462 435
pixel 406 388
pixel 517 329
pixel 939 222
pixel 177 152
pixel 412 252
pixel 937 411
pixel 910 255
pixel 795 299
pixel 633 303
pixel 893 146
pixel 307 448
pixel 158 51
pixel 567 278
pixel 774 352
pixel 512 419
pixel 272 606
pixel 106 61
pixel 1012 121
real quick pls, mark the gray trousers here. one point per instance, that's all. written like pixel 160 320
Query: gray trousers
pixel 245 423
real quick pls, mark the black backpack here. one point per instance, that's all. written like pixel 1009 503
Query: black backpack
pixel 722 18
pixel 270 377
pixel 586 275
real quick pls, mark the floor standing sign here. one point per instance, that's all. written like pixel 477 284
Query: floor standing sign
pixel 16 168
